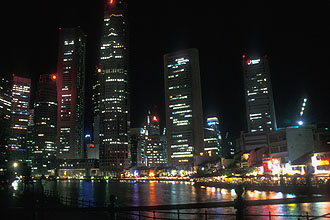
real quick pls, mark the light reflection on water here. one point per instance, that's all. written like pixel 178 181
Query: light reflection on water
pixel 164 193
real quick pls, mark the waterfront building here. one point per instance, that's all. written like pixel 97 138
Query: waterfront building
pixel 71 92
pixel 149 149
pixel 260 113
pixel 183 107
pixel 20 104
pixel 5 112
pixel 111 113
pixel 45 125
pixel 212 136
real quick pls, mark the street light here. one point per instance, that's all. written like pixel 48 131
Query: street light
pixel 15 165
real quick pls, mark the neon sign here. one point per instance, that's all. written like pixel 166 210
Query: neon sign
pixel 249 62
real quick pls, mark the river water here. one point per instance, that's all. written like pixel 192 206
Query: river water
pixel 164 193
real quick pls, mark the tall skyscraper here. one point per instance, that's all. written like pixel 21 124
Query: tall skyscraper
pixel 45 125
pixel 5 111
pixel 112 110
pixel 20 104
pixel 183 103
pixel 260 113
pixel 71 93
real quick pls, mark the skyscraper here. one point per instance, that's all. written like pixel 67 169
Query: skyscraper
pixel 183 103
pixel 45 125
pixel 5 111
pixel 149 150
pixel 260 113
pixel 212 136
pixel 71 92
pixel 20 104
pixel 112 110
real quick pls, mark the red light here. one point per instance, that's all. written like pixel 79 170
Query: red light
pixel 154 118
pixel 248 62
pixel 243 56
pixel 92 146
pixel 54 77
pixel 111 2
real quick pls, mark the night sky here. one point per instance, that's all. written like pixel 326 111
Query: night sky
pixel 295 38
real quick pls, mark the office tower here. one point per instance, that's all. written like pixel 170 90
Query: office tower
pixel 183 103
pixel 45 125
pixel 134 136
pixel 212 136
pixel 5 111
pixel 71 92
pixel 149 150
pixel 260 113
pixel 20 104
pixel 112 110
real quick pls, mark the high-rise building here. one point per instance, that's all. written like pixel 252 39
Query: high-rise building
pixel 45 125
pixel 5 111
pixel 20 104
pixel 183 103
pixel 260 113
pixel 71 93
pixel 111 112
pixel 149 150
pixel 212 136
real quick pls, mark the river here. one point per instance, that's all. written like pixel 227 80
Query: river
pixel 164 193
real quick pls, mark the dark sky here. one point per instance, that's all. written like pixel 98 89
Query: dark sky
pixel 294 36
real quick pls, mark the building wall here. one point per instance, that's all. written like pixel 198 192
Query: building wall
pixel 183 106
pixel 299 142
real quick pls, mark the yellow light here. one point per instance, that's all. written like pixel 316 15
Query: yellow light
pixel 99 70
pixel 15 164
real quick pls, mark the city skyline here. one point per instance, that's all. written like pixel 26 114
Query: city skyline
pixel 287 40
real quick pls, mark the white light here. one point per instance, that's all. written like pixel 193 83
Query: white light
pixel 300 123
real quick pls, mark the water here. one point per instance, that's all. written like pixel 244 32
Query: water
pixel 164 193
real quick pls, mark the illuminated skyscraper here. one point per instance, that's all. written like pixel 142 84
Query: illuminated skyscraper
pixel 112 99
pixel 70 93
pixel 150 152
pixel 20 104
pixel 212 136
pixel 45 125
pixel 183 103
pixel 260 113
pixel 5 111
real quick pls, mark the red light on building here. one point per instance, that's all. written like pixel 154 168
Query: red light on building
pixel 249 62
pixel 54 77
pixel 92 146
pixel 154 118
pixel 111 2
pixel 243 56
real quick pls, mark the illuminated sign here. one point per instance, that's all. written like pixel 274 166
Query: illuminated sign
pixel 249 62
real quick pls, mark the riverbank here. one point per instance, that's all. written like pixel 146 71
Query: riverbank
pixel 323 189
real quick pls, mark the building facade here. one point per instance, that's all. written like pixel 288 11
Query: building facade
pixel 183 106
pixel 260 113
pixel 71 92
pixel 45 126
pixel 20 104
pixel 111 113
